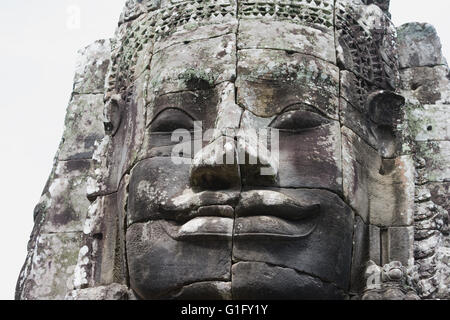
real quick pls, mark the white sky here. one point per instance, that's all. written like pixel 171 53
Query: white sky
pixel 37 60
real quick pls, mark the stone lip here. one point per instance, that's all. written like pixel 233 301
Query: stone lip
pixel 270 214
pixel 272 227
pixel 266 201
pixel 259 213
pixel 204 227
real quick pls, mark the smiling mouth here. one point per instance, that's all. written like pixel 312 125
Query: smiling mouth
pixel 259 214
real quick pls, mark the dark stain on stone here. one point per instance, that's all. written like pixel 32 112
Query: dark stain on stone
pixel 221 54
pixel 79 165
pixel 64 218
pixel 89 141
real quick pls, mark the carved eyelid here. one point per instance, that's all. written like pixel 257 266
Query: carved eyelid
pixel 186 117
pixel 313 119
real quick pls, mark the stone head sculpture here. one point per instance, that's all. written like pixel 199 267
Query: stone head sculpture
pixel 253 151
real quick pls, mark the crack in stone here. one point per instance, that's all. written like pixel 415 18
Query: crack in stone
pixel 271 265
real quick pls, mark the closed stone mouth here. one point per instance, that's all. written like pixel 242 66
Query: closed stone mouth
pixel 272 227
pixel 258 214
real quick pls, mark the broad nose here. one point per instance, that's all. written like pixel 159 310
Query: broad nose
pixel 231 161
pixel 216 166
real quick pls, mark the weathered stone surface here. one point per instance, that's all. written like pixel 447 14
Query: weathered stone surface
pixel 399 245
pixel 112 292
pixel 395 187
pixel 117 152
pixel 390 282
pixel 49 275
pixel 419 46
pixel 256 281
pixel 49 270
pixel 381 191
pixel 383 4
pixel 265 34
pixel 195 65
pixel 362 47
pixel 435 155
pixel 211 290
pixel 223 214
pixel 361 254
pixel 439 194
pixel 199 31
pixel 66 202
pixel 324 252
pixel 83 127
pixel 92 67
pixel 269 81
pixel 429 123
pixel 134 8
pixel 311 158
pixel 160 264
pixel 374 115
pixel 356 121
pixel 426 85
pixel 318 15
pixel 104 228
pixel 154 183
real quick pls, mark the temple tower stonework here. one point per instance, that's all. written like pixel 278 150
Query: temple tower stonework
pixel 355 205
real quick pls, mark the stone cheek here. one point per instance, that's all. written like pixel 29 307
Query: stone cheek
pixel 154 183
pixel 311 158
pixel 160 266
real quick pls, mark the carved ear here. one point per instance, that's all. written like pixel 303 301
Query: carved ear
pixel 113 114
pixel 384 107
pixel 383 112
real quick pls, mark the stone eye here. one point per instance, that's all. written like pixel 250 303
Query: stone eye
pixel 298 120
pixel 170 120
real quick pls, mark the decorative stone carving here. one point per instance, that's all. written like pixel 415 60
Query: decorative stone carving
pixel 392 282
pixel 172 194
pixel 425 86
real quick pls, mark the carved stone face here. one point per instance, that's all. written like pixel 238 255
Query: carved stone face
pixel 210 230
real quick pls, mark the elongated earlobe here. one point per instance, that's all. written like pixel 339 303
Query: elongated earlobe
pixel 384 112
pixel 113 114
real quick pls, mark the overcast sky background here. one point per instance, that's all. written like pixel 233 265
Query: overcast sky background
pixel 38 45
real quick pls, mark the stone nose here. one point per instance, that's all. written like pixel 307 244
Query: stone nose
pixel 235 158
pixel 258 155
pixel 216 166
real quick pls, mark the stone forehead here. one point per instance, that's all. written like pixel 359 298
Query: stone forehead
pixel 357 31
